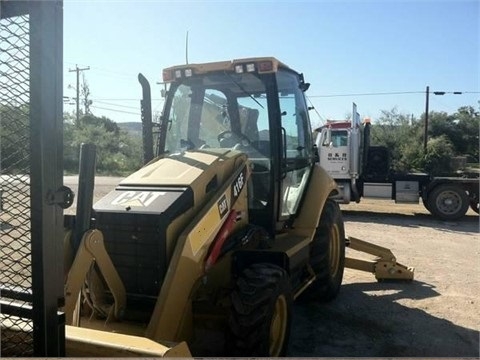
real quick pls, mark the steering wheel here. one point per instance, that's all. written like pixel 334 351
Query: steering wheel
pixel 230 139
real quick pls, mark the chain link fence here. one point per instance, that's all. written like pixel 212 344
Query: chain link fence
pixel 31 216
pixel 15 247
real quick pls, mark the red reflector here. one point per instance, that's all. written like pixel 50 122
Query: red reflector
pixel 265 66
pixel 219 240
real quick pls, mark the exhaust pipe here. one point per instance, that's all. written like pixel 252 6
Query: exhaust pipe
pixel 146 113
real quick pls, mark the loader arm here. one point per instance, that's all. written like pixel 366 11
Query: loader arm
pixel 385 267
pixel 92 250
pixel 85 342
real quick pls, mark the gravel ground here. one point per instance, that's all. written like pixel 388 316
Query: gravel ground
pixel 436 315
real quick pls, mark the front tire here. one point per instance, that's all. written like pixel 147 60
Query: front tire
pixel 448 202
pixel 327 254
pixel 260 317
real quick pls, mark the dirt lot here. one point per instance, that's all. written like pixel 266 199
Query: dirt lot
pixel 436 315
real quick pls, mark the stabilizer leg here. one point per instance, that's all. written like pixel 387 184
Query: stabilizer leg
pixel 385 267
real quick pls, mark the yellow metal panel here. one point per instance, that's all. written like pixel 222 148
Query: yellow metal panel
pixel 170 320
pixel 204 230
pixel 166 171
pixel 321 185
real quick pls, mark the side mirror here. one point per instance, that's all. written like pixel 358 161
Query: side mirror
pixel 316 155
pixel 328 139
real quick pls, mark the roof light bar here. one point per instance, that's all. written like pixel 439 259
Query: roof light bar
pixel 167 76
pixel 265 66
pixel 250 67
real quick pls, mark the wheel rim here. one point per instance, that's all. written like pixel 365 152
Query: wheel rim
pixel 278 326
pixel 449 202
pixel 334 250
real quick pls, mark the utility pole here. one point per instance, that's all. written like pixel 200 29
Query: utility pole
pixel 425 136
pixel 77 70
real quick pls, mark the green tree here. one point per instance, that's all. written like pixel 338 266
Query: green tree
pixel 468 123
pixel 85 91
pixel 461 129
pixel 444 124
pixel 449 135
pixel 70 148
pixel 118 153
pixel 437 160
pixel 401 134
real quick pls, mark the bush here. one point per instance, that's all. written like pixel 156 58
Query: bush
pixel 437 160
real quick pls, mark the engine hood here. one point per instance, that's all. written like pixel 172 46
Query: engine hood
pixel 192 175
pixel 180 169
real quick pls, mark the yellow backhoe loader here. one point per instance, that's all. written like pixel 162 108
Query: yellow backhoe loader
pixel 204 249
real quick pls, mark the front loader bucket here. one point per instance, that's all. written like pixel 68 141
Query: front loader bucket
pixel 83 342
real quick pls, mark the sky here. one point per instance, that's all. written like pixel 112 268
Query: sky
pixel 379 54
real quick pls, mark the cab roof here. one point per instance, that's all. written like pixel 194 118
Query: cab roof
pixel 261 65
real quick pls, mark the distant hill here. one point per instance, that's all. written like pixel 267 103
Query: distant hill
pixel 133 128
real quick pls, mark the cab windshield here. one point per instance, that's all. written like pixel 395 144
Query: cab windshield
pixel 217 110
pixel 226 110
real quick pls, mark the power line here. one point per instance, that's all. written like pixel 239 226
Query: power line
pixel 315 109
pixel 396 93
pixel 118 73
pixel 116 110
pixel 158 106
pixel 370 94
pixel 118 105
pixel 124 99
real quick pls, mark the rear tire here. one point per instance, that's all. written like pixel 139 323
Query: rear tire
pixel 327 254
pixel 260 319
pixel 474 205
pixel 425 204
pixel 448 202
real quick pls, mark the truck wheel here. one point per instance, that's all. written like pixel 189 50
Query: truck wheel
pixel 425 204
pixel 474 205
pixel 327 254
pixel 448 202
pixel 260 319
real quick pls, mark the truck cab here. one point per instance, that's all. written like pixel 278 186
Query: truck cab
pixel 362 170
pixel 341 145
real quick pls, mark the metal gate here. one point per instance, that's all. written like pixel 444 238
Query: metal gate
pixel 31 179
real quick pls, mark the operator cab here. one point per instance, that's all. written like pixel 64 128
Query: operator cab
pixel 255 106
